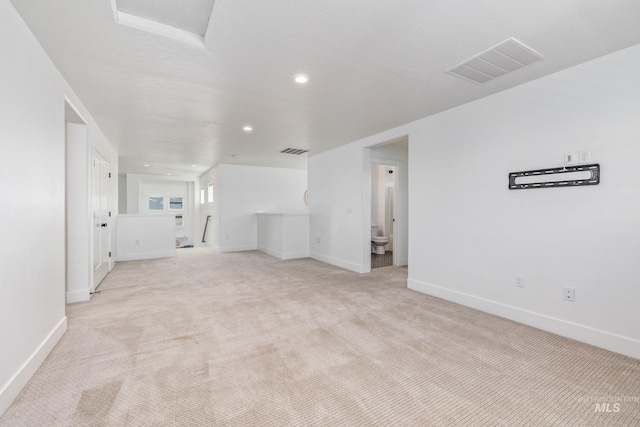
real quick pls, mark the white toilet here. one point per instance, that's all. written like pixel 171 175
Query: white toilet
pixel 377 242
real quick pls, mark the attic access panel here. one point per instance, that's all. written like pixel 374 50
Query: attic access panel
pixel 568 176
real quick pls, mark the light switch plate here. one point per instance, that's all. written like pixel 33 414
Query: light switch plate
pixel 570 158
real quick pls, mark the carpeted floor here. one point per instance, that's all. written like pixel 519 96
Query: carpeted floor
pixel 242 339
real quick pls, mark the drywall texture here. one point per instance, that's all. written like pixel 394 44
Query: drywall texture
pixel 139 187
pixel 146 237
pixel 242 191
pixel 473 236
pixel 470 235
pixel 32 176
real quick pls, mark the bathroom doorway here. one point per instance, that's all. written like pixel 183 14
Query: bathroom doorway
pixel 389 240
pixel 383 190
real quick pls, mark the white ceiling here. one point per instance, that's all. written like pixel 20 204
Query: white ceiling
pixel 187 15
pixel 374 65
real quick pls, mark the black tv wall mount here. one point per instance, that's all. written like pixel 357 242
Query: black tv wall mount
pixel 568 176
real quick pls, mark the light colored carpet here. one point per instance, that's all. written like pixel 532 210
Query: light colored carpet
pixel 242 339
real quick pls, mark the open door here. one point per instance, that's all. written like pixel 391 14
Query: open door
pixel 101 219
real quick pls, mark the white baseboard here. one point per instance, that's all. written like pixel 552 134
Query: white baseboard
pixel 78 296
pixel 238 248
pixel 616 343
pixel 270 251
pixel 14 386
pixel 284 255
pixel 357 268
pixel 146 255
pixel 295 255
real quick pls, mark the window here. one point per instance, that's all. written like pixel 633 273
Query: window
pixel 175 203
pixel 179 221
pixel 202 195
pixel 156 203
pixel 210 188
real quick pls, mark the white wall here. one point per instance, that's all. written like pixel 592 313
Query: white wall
pixel 245 190
pixel 285 236
pixel 470 235
pixel 242 191
pixel 122 194
pixel 209 207
pixel 139 187
pixel 340 200
pixel 152 187
pixel 146 237
pixel 79 260
pixel 32 176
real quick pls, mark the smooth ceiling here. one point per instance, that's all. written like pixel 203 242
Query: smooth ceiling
pixel 187 15
pixel 374 65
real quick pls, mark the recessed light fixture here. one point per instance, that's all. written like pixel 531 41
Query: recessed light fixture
pixel 247 128
pixel 194 165
pixel 146 166
pixel 301 78
pixel 168 174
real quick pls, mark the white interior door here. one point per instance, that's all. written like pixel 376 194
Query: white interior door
pixel 101 219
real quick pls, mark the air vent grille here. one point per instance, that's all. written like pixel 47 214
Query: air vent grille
pixel 499 60
pixel 296 151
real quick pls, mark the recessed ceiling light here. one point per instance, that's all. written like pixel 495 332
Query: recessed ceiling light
pixel 168 174
pixel 301 78
pixel 247 128
pixel 194 165
pixel 146 166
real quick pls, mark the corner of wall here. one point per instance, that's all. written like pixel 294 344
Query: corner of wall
pixel 14 386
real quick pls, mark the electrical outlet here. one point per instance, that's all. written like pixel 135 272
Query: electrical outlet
pixel 570 158
pixel 519 281
pixel 584 156
pixel 569 294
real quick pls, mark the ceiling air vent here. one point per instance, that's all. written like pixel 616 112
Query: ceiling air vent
pixel 296 151
pixel 495 62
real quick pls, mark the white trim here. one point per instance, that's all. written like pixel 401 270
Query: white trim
pixel 14 386
pixel 619 344
pixel 295 255
pixel 271 252
pixel 238 248
pixel 339 263
pixel 284 255
pixel 147 255
pixel 75 110
pixel 79 296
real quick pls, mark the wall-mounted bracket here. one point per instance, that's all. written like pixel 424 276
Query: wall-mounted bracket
pixel 568 176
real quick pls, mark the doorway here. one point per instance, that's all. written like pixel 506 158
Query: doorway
pixel 383 215
pixel 389 199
